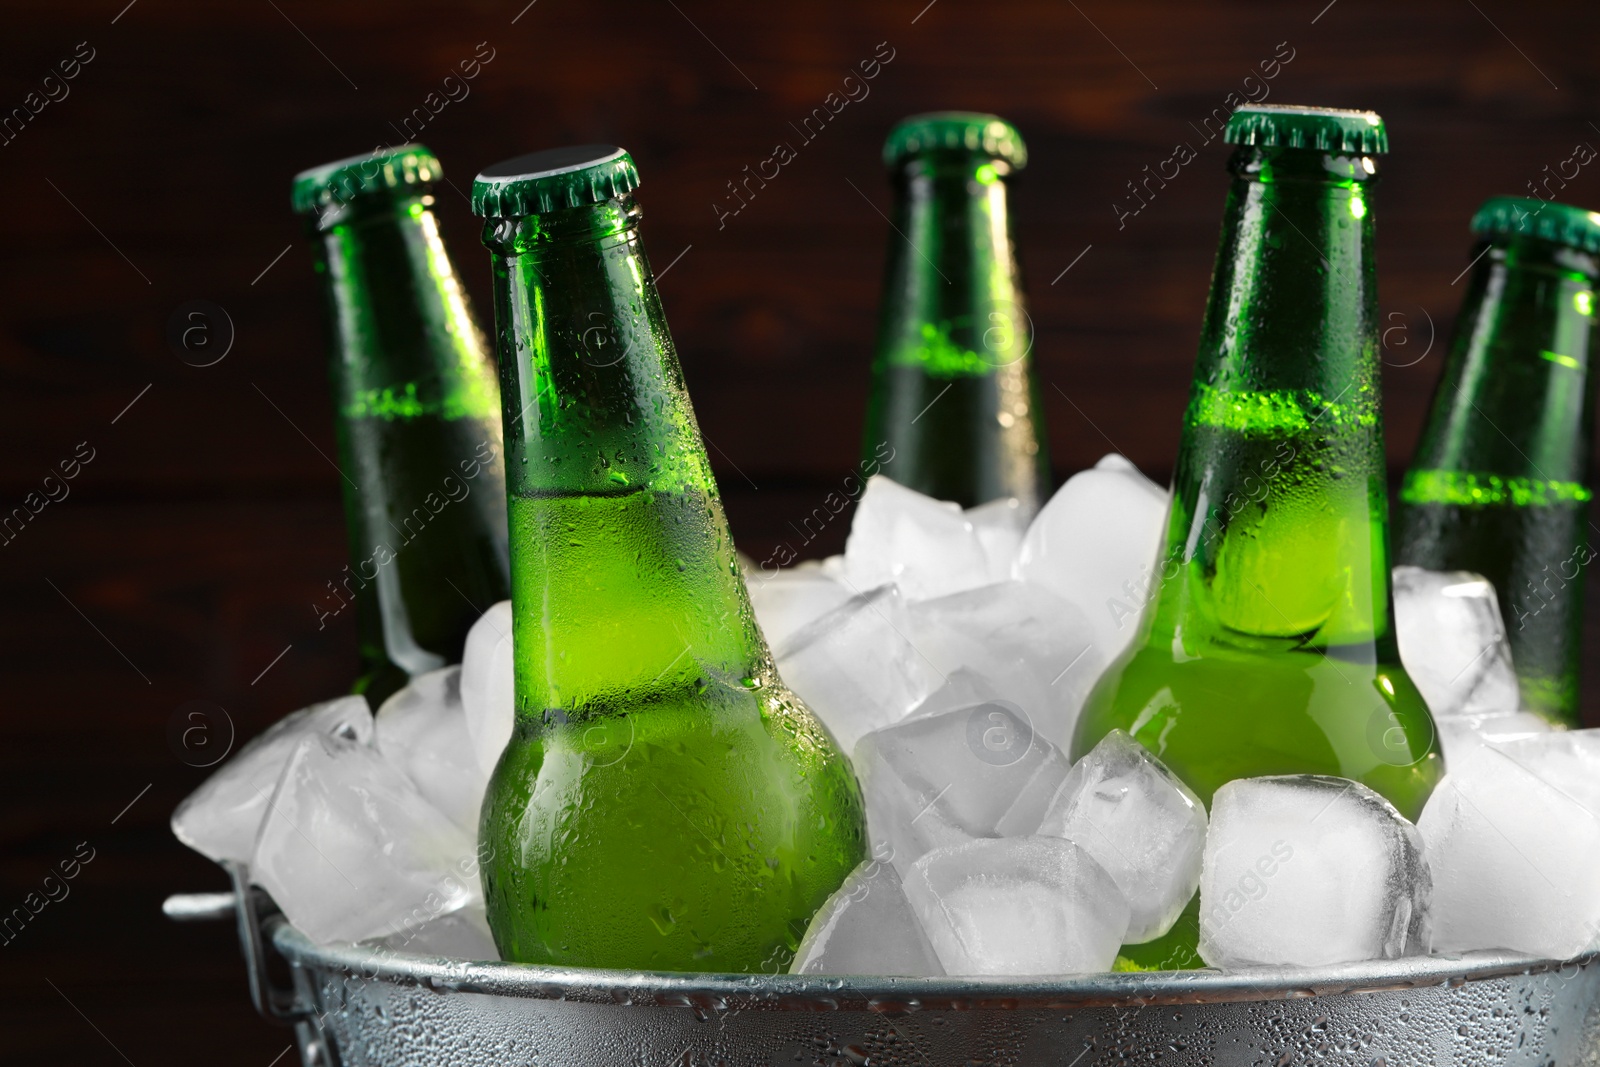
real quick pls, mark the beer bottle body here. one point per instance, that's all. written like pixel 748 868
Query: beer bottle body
pixel 1266 642
pixel 955 400
pixel 664 801
pixel 417 419
pixel 1499 484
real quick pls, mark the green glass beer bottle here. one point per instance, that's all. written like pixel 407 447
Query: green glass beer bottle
pixel 1267 643
pixel 1500 480
pixel 954 401
pixel 417 405
pixel 664 801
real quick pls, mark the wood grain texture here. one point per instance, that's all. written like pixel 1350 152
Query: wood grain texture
pixel 188 553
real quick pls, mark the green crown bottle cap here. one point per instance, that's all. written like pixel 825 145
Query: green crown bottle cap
pixel 971 131
pixel 556 178
pixel 1529 217
pixel 343 180
pixel 1327 129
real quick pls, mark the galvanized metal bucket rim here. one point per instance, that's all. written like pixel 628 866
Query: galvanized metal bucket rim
pixel 824 993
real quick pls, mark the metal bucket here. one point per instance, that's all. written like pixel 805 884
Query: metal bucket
pixel 356 1006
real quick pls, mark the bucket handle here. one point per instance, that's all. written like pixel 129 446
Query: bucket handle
pixel 253 911
pixel 274 1003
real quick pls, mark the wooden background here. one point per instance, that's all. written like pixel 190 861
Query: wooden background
pixel 184 562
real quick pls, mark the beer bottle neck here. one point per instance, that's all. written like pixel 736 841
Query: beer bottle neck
pixel 1513 423
pixel 1280 516
pixel 595 400
pixel 1292 313
pixel 624 575
pixel 955 404
pixel 952 303
pixel 418 434
pixel 405 344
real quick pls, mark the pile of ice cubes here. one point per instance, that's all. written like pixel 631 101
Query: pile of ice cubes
pixel 932 607
pixel 950 652
pixel 363 827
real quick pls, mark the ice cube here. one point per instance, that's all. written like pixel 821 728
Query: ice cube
pixel 422 729
pixel 1567 759
pixel 350 850
pixel 1513 837
pixel 855 666
pixel 867 927
pixel 936 780
pixel 1308 870
pixel 462 935
pixel 1458 732
pixel 488 684
pixel 1018 906
pixel 786 600
pixel 1095 545
pixel 220 819
pixel 1453 641
pixel 925 546
pixel 1036 647
pixel 963 688
pixel 1116 461
pixel 999 526
pixel 1139 822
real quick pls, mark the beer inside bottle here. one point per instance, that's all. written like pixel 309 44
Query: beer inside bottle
pixel 1500 480
pixel 418 420
pixel 954 398
pixel 664 801
pixel 1266 644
